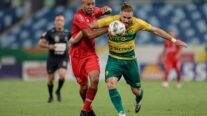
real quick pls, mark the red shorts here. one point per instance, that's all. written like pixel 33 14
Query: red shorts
pixel 82 66
pixel 172 64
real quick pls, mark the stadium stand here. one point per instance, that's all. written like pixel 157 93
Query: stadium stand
pixel 189 22
pixel 9 16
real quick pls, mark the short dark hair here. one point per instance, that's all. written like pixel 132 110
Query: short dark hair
pixel 60 15
pixel 126 7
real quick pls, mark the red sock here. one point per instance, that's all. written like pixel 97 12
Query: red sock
pixel 91 93
pixel 83 95
pixel 178 76
pixel 165 79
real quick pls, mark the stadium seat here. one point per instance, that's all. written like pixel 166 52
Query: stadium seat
pixel 9 16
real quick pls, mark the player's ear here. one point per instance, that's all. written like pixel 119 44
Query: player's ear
pixel 120 12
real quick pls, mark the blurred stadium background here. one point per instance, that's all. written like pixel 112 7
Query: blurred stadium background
pixel 23 21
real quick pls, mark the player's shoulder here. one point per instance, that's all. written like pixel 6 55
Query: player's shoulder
pixel 116 17
pixel 137 19
pixel 79 16
pixel 66 30
pixel 97 9
pixel 80 12
pixel 49 31
pixel 113 17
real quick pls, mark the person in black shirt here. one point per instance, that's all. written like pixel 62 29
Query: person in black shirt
pixel 56 40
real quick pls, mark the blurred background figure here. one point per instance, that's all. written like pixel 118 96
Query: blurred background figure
pixel 56 41
pixel 171 59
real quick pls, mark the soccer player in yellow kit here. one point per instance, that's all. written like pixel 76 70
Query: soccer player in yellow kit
pixel 122 60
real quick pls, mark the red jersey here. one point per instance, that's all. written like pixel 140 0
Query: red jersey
pixel 81 20
pixel 171 50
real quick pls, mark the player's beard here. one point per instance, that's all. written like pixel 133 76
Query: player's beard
pixel 89 12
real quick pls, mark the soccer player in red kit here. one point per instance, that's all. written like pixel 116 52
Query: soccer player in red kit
pixel 84 61
pixel 171 56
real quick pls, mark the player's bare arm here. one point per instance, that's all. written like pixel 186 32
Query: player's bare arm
pixel 93 33
pixel 77 38
pixel 166 36
pixel 44 44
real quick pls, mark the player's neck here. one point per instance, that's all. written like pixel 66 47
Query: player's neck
pixel 59 29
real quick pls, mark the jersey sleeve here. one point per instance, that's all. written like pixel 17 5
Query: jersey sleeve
pixel 98 12
pixel 104 22
pixel 69 35
pixel 80 22
pixel 45 35
pixel 142 25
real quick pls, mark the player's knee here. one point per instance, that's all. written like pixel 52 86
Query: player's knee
pixel 136 91
pixel 62 73
pixel 83 88
pixel 94 78
pixel 94 82
pixel 111 84
pixel 50 81
pixel 62 76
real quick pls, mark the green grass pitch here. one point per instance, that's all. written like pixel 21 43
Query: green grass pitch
pixel 20 98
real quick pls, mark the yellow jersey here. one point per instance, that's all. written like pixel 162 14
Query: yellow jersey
pixel 122 46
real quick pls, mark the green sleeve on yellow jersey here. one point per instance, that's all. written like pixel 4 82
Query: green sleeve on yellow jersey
pixel 104 22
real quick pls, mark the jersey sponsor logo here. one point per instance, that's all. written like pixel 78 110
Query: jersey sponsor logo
pixel 121 47
pixel 122 38
pixel 60 48
pixel 118 38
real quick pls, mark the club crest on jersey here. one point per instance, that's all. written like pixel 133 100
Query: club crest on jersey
pixel 106 72
pixel 57 38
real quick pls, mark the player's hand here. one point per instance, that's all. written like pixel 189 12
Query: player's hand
pixel 51 47
pixel 106 10
pixel 181 43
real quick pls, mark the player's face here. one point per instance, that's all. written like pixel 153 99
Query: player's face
pixel 88 6
pixel 59 22
pixel 126 17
